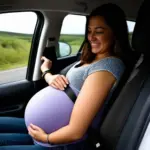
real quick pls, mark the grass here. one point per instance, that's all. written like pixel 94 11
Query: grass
pixel 15 48
pixel 74 41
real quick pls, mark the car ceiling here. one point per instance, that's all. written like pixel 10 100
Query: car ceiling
pixel 77 6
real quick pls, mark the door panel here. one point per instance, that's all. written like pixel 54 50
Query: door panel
pixel 14 97
pixel 18 49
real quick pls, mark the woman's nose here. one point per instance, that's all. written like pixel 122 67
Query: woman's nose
pixel 92 37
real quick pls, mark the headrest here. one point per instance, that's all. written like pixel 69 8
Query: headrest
pixel 141 34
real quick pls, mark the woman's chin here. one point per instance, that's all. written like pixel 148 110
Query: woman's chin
pixel 95 51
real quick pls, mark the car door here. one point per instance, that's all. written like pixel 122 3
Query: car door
pixel 19 36
pixel 19 48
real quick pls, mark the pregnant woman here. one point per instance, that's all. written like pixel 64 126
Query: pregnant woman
pixel 93 79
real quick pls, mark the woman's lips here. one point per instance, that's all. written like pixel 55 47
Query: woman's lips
pixel 95 44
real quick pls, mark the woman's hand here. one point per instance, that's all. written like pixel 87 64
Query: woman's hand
pixel 37 133
pixel 58 81
pixel 47 64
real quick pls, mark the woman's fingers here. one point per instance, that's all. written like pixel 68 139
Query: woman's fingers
pixel 62 82
pixel 47 64
pixel 53 85
pixel 43 58
pixel 46 59
pixel 59 82
pixel 34 127
pixel 65 79
pixel 59 85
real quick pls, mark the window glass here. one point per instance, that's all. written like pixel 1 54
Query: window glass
pixel 16 32
pixel 131 25
pixel 72 33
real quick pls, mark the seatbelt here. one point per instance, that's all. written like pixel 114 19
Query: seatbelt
pixel 93 135
pixel 70 93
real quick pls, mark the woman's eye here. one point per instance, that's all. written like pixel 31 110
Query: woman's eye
pixel 96 32
pixel 99 32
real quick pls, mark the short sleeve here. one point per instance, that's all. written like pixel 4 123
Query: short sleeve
pixel 110 64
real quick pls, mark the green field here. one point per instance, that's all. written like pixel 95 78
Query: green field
pixel 15 48
pixel 74 41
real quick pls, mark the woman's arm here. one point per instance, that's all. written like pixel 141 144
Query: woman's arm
pixel 91 98
pixel 57 81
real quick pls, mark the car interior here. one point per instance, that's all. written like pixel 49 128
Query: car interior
pixel 125 120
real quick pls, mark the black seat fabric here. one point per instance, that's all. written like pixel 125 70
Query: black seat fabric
pixel 131 134
pixel 113 124
pixel 138 120
pixel 132 60
pixel 125 123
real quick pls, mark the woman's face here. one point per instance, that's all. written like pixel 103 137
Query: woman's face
pixel 100 35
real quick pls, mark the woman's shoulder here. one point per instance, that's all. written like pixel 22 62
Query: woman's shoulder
pixel 109 60
pixel 113 65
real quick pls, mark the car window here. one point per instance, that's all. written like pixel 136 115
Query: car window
pixel 131 25
pixel 145 144
pixel 72 33
pixel 16 32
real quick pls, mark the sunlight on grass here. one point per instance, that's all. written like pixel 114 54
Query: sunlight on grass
pixel 14 50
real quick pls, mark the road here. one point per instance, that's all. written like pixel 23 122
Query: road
pixel 12 75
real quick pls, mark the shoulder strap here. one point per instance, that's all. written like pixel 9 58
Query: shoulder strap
pixel 70 93
pixel 93 135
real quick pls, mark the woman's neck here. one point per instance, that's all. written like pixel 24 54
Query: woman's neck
pixel 97 58
pixel 101 56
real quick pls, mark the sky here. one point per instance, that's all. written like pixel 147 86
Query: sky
pixel 24 22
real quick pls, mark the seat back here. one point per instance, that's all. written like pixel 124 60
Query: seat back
pixel 116 130
pixel 132 60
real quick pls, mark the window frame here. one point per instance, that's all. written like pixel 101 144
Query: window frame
pixel 34 45
pixel 58 58
pixel 34 42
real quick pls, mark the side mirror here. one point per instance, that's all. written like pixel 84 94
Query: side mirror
pixel 63 50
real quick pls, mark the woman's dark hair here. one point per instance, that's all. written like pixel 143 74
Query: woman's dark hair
pixel 115 18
